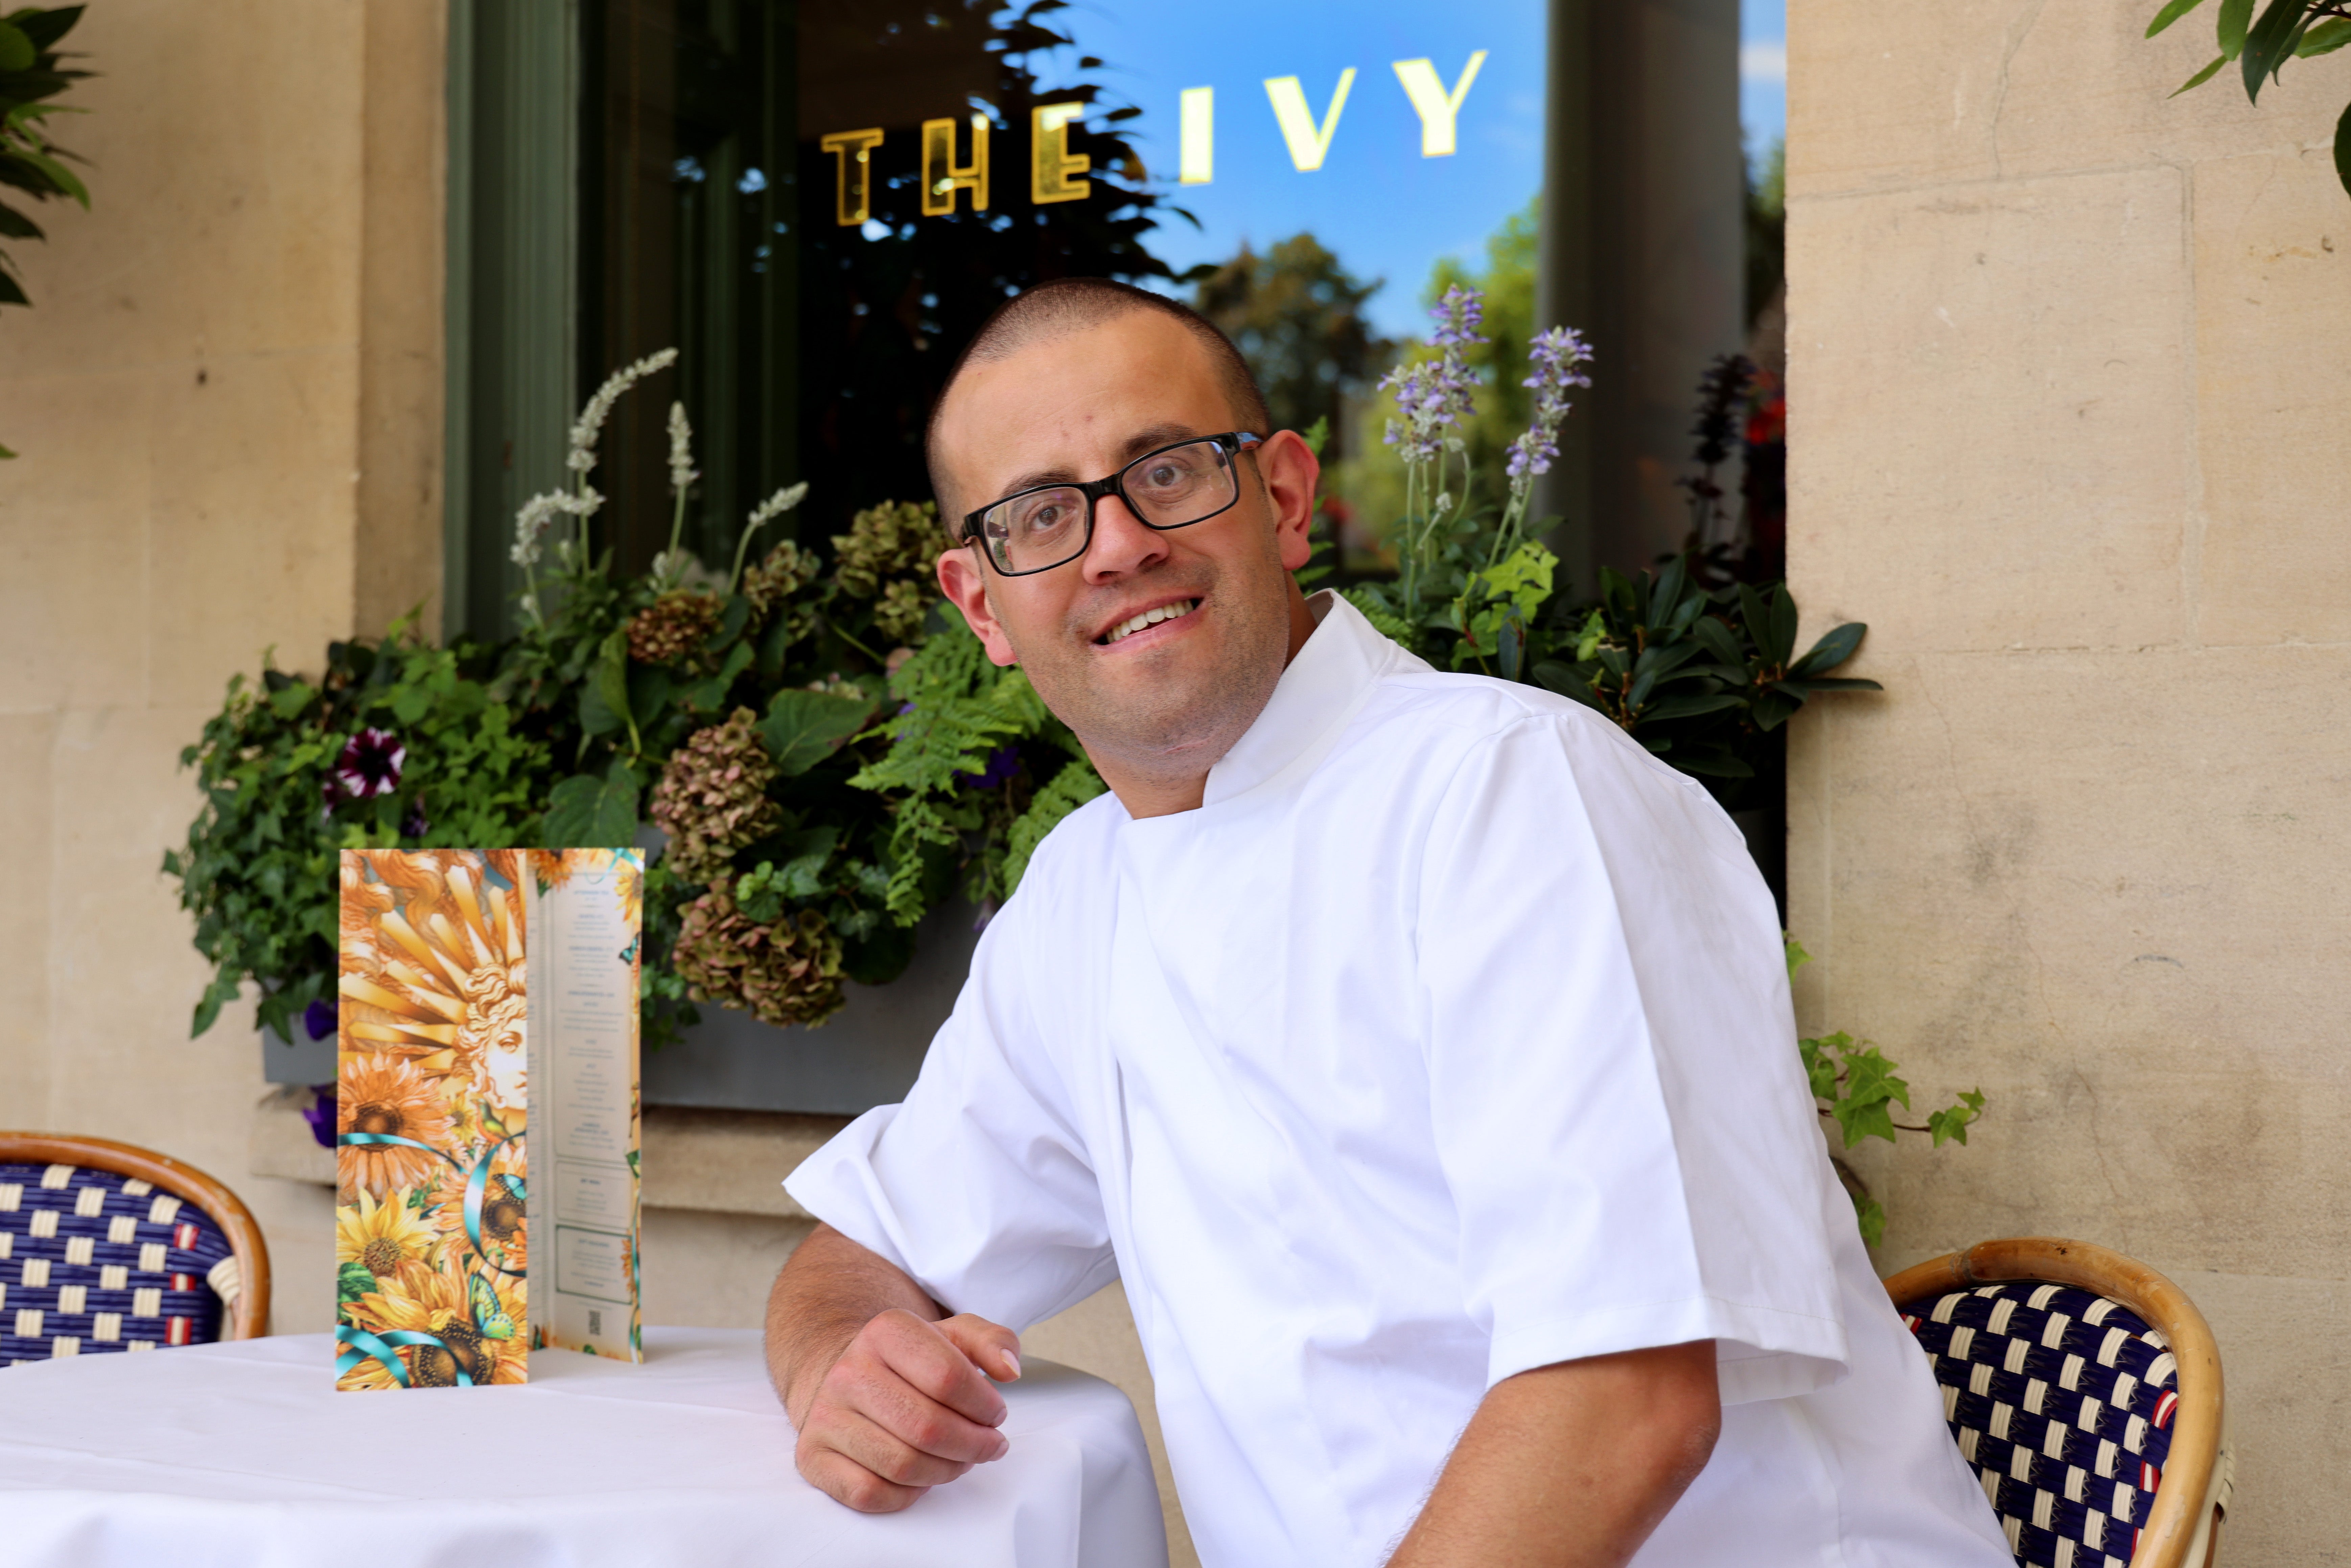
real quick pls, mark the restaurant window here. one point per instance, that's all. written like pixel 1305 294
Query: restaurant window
pixel 818 203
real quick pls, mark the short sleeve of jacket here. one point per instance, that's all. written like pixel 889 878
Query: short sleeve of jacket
pixel 1618 1106
pixel 979 1185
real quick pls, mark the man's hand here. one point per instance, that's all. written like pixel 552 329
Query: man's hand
pixel 1573 1464
pixel 886 1391
pixel 906 1407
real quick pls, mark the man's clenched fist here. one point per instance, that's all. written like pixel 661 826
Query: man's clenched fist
pixel 908 1405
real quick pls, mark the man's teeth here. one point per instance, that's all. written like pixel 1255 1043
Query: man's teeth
pixel 1151 618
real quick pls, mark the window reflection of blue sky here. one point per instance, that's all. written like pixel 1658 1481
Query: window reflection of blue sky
pixel 1386 211
pixel 1763 71
pixel 1382 208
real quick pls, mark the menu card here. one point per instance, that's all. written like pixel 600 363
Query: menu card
pixel 484 996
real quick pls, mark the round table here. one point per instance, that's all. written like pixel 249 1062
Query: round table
pixel 245 1455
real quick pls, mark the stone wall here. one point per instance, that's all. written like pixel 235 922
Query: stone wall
pixel 227 397
pixel 2069 367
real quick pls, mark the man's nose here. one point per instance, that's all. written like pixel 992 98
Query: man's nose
pixel 1122 545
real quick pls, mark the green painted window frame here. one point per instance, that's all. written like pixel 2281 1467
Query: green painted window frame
pixel 512 292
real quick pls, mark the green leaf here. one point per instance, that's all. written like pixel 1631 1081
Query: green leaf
pixel 586 812
pixel 610 679
pixel 1797 956
pixel 46 26
pixel 1755 615
pixel 2201 77
pixel 1833 649
pixel 2325 38
pixel 62 177
pixel 2342 150
pixel 17 51
pixel 710 695
pixel 1715 763
pixel 1773 709
pixel 1952 1124
pixel 2236 16
pixel 1555 676
pixel 352 1280
pixel 596 715
pixel 1870 1215
pixel 2271 43
pixel 1828 683
pixel 1781 646
pixel 1316 434
pixel 2170 13
pixel 802 873
pixel 1689 707
pixel 1722 644
pixel 1071 787
pixel 289 701
pixel 802 728
pixel 1820 1063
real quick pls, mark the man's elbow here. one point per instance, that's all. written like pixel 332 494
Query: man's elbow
pixel 1692 1431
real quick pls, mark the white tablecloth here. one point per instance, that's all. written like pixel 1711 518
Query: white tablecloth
pixel 243 1456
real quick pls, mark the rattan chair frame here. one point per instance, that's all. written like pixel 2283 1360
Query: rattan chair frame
pixel 249 1314
pixel 2194 1480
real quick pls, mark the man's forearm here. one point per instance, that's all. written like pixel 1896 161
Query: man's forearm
pixel 828 1290
pixel 1572 1465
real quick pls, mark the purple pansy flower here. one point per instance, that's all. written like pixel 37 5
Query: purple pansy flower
pixel 321 1116
pixel 1002 765
pixel 320 1018
pixel 369 765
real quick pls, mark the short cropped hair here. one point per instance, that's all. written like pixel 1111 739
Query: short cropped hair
pixel 1069 304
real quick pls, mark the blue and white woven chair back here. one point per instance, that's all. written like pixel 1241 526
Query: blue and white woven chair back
pixel 2062 1403
pixel 92 1261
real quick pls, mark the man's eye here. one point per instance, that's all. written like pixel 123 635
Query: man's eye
pixel 1164 474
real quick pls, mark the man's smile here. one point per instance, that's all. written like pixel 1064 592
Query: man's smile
pixel 1145 622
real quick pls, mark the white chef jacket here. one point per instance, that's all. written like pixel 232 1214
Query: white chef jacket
pixel 1450 1038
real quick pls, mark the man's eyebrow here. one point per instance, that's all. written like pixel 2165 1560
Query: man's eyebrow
pixel 1148 439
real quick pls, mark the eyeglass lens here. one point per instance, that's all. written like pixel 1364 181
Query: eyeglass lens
pixel 1170 489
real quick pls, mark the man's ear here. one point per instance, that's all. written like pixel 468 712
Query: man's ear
pixel 1291 472
pixel 963 580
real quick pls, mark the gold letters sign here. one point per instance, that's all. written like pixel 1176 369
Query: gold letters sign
pixel 852 188
pixel 943 177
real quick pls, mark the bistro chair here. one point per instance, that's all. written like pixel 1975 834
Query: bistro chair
pixel 2084 1390
pixel 107 1246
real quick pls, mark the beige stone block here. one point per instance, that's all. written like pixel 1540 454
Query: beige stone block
pixel 224 194
pixel 713 1271
pixel 1989 445
pixel 2106 889
pixel 2289 1409
pixel 729 1162
pixel 74 588
pixel 1098 1335
pixel 26 742
pixel 2273 269
pixel 398 558
pixel 2086 89
pixel 1874 105
pixel 252 531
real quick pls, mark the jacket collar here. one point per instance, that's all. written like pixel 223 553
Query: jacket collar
pixel 1325 687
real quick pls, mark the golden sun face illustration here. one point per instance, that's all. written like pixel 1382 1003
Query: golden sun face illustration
pixel 448 986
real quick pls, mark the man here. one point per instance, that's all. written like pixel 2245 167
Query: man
pixel 1414 1046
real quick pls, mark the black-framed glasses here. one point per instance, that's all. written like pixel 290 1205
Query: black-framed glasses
pixel 1177 485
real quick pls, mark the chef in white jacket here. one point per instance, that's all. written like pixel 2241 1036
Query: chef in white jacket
pixel 1414 1046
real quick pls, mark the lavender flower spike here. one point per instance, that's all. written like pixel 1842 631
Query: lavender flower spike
pixel 1561 358
pixel 682 472
pixel 590 423
pixel 532 519
pixel 1457 317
